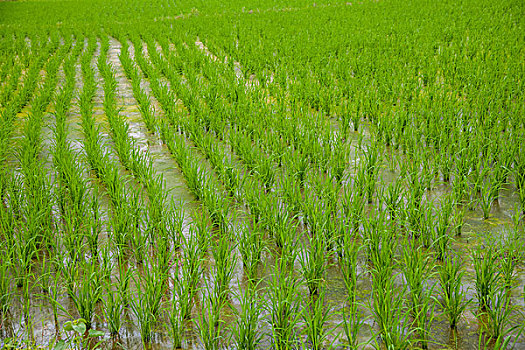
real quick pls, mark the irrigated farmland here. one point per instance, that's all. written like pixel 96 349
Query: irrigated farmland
pixel 262 174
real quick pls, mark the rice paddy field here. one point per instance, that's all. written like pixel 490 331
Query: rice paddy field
pixel 262 174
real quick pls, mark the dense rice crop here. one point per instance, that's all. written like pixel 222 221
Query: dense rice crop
pixel 262 174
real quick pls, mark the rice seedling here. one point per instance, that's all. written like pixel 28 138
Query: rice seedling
pixel 352 315
pixel 209 323
pixel 487 275
pixel 112 299
pixel 147 305
pixel 86 293
pixel 246 333
pixel 251 247
pixel 283 307
pixel 499 317
pixel 316 316
pixel 175 323
pixel 416 270
pixel 312 259
pixel 453 297
pixel 225 261
pixel 387 308
pixel 6 294
pixel 441 234
pixel 187 283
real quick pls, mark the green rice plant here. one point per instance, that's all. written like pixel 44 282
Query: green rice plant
pixel 291 193
pixel 371 165
pixel 6 294
pixel 338 161
pixel 147 305
pixel 353 206
pixel 388 310
pixel 417 273
pixel 299 166
pixel 352 323
pixel 251 245
pixel 509 253
pixel 380 241
pixel 316 316
pixel 487 274
pixel 453 297
pixel 489 190
pixel 86 293
pixel 348 262
pixel 283 307
pixel 124 274
pixel 392 198
pixel 521 195
pixel 458 218
pixel 190 273
pixel 279 222
pixel 441 236
pixel 225 261
pixel 26 310
pixel 312 258
pixel 416 270
pixel 218 207
pixel 176 324
pixel 501 317
pixel 209 324
pixel 112 299
pixel 266 171
pixel 245 331
pixel 175 224
pixel 253 198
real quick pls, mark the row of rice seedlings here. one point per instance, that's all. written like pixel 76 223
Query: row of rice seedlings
pixel 207 144
pixel 200 185
pixel 79 218
pixel 138 162
pixel 132 73
pixel 33 226
pixel 22 97
pixel 126 219
pixel 195 134
pixel 209 323
pixel 11 71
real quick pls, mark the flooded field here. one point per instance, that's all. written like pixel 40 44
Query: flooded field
pixel 303 176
